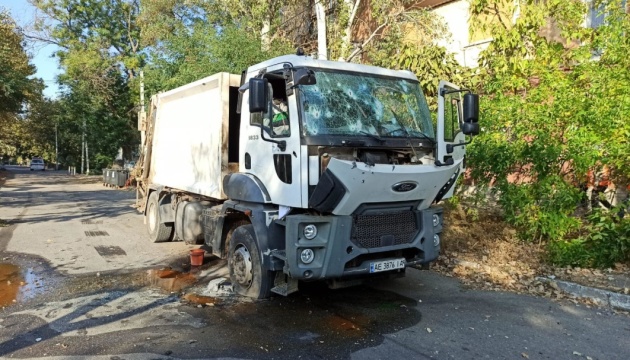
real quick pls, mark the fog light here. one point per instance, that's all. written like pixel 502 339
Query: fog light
pixel 310 231
pixel 307 256
pixel 436 240
pixel 436 220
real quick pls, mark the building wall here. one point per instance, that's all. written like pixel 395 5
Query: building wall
pixel 466 48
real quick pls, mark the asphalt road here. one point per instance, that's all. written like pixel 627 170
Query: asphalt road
pixel 87 294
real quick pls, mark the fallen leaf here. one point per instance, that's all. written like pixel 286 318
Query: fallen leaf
pixel 429 330
pixel 525 355
pixel 577 353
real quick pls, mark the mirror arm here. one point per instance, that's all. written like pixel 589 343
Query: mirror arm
pixel 282 144
pixel 445 92
pixel 448 162
pixel 450 147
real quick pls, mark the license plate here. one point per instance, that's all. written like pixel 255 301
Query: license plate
pixel 387 265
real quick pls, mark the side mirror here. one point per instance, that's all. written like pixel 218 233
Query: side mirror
pixel 470 128
pixel 257 95
pixel 471 108
pixel 304 77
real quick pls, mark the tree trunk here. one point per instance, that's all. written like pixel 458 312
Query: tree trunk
pixel 346 40
pixel 265 38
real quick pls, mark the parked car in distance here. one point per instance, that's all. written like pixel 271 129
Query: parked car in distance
pixel 38 164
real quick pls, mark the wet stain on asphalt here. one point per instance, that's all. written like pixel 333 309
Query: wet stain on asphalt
pixel 318 321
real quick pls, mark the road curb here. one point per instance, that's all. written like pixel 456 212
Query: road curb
pixel 603 297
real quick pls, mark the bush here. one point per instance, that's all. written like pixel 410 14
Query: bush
pixel 606 241
pixel 101 162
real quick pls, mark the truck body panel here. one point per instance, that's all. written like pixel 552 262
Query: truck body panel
pixel 190 137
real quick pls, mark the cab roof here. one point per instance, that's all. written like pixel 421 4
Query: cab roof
pixel 309 62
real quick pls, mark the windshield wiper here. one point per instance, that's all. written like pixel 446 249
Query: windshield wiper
pixel 376 137
pixel 404 129
pixel 406 132
pixel 419 133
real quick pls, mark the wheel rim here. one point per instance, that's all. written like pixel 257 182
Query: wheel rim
pixel 152 217
pixel 242 266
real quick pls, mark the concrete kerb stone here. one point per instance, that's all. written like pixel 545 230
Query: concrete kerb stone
pixel 604 297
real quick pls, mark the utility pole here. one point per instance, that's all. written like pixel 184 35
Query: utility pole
pixel 322 47
pixel 142 116
pixel 87 159
pixel 82 146
pixel 56 150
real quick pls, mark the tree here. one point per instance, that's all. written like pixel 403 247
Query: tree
pixel 551 112
pixel 17 87
pixel 186 42
pixel 101 56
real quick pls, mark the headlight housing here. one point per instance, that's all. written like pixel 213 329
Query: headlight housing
pixel 310 231
pixel 436 220
pixel 436 240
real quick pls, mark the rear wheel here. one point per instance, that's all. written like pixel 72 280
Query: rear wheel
pixel 245 265
pixel 158 231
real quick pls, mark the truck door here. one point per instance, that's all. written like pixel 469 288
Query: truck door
pixel 450 117
pixel 273 156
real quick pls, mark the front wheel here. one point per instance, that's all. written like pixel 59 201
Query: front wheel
pixel 158 231
pixel 245 265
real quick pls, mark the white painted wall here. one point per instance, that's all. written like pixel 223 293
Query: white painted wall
pixel 456 15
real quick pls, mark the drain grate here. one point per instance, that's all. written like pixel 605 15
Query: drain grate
pixel 96 233
pixel 108 251
pixel 91 222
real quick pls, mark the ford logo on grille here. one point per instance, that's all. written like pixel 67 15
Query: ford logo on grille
pixel 404 186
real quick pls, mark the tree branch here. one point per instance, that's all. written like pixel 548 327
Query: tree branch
pixel 358 50
pixel 44 40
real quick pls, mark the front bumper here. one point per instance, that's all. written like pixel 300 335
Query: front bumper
pixel 345 246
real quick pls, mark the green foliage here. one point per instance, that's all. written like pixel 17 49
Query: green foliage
pixel 100 53
pixel 203 50
pixel 552 111
pixel 605 243
pixel 15 69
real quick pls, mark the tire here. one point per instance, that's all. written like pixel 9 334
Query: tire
pixel 245 265
pixel 158 231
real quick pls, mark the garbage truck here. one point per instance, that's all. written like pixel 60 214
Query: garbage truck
pixel 303 170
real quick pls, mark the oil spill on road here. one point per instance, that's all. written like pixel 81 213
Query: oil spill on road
pixel 17 285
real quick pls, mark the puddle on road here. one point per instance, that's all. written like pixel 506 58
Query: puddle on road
pixel 17 285
pixel 325 323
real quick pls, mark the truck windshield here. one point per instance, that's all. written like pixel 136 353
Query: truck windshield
pixel 353 104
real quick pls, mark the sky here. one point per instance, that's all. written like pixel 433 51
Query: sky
pixel 47 67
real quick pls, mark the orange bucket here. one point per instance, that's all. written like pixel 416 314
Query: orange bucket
pixel 196 257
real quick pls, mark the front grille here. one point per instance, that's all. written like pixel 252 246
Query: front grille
pixel 372 231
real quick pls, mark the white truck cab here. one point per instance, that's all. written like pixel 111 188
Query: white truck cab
pixel 339 170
